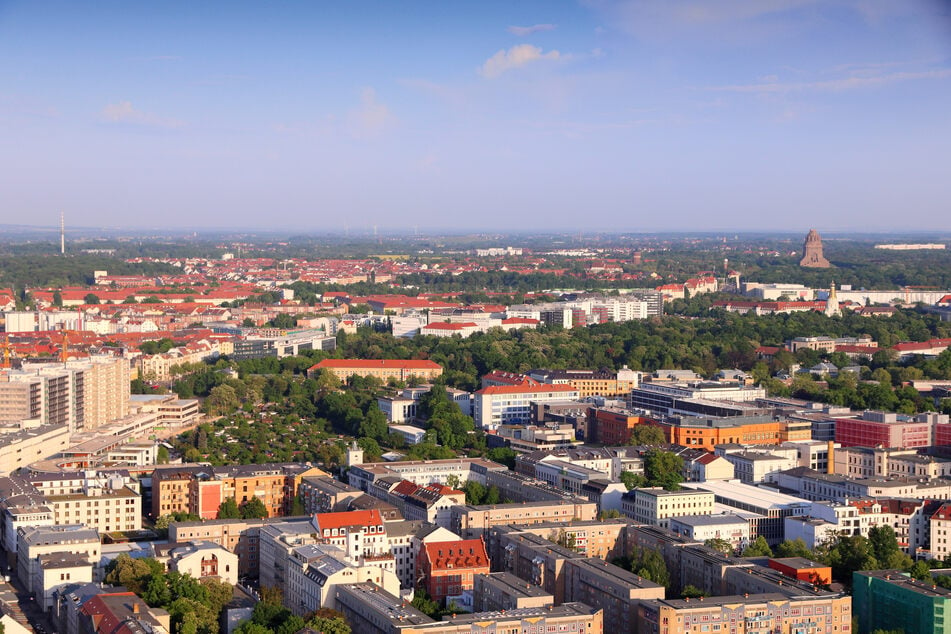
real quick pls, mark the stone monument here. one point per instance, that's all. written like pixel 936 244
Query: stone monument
pixel 812 252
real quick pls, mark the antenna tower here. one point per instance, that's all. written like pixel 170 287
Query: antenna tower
pixel 62 234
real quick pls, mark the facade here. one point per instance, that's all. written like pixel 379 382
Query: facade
pixel 730 527
pixel 506 404
pixel 201 490
pixel 892 600
pixel 384 370
pixel 447 569
pixel 204 560
pixel 474 521
pixel 612 427
pixel 656 506
pixel 746 614
pixel 499 591
pixel 372 611
pixel 591 382
pixel 34 543
pixel 883 429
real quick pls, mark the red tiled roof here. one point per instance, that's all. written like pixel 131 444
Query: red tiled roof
pixel 441 325
pixel 516 389
pixel 466 553
pixel 412 364
pixel 348 518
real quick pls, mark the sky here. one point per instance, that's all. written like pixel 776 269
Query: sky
pixel 450 115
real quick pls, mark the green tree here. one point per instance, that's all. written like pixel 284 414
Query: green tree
pixel 222 400
pixel 253 509
pixel 503 455
pixel 646 435
pixel 758 548
pixel 649 564
pixel 886 550
pixel 794 548
pixel 228 510
pixel 91 298
pixel 719 544
pixel 663 469
pixel 633 480
pixel 161 455
pixel 693 592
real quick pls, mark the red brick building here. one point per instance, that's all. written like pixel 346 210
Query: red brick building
pixel 447 569
pixel 612 427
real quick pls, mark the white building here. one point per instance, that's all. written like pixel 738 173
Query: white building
pixel 727 526
pixel 656 506
pixel 508 404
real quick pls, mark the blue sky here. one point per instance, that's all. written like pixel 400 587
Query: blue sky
pixel 626 115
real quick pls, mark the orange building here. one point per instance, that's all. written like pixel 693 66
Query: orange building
pixel 447 569
pixel 803 569
pixel 707 433
pixel 200 490
pixel 383 369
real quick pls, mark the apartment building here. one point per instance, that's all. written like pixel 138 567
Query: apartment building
pixel 743 614
pixel 370 610
pixel 383 369
pixel 892 600
pixel 591 382
pixel 34 542
pixel 447 569
pixel 200 490
pixel 475 521
pixel 656 505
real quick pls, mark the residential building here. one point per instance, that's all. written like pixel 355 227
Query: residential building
pixel 384 370
pixel 475 521
pixel 892 600
pixel 498 591
pixel 200 490
pixel 33 543
pixel 204 560
pixel 314 571
pixel 372 611
pixel 120 612
pixel 446 569
pixel 730 527
pixel 591 382
pixel 656 506
pixel 746 614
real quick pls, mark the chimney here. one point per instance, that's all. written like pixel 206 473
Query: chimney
pixel 135 607
pixel 831 468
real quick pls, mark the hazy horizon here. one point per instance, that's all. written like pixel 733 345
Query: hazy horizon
pixel 621 116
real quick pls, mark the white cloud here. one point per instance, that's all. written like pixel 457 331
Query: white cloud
pixel 522 31
pixel 371 117
pixel 124 112
pixel 514 58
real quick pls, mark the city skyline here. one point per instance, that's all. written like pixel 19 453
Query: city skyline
pixel 625 116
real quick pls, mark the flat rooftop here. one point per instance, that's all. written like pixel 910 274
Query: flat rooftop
pixel 512 585
pixel 746 493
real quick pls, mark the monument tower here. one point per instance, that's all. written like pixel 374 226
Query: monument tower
pixel 812 252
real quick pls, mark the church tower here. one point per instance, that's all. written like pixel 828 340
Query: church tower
pixel 832 303
pixel 812 252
